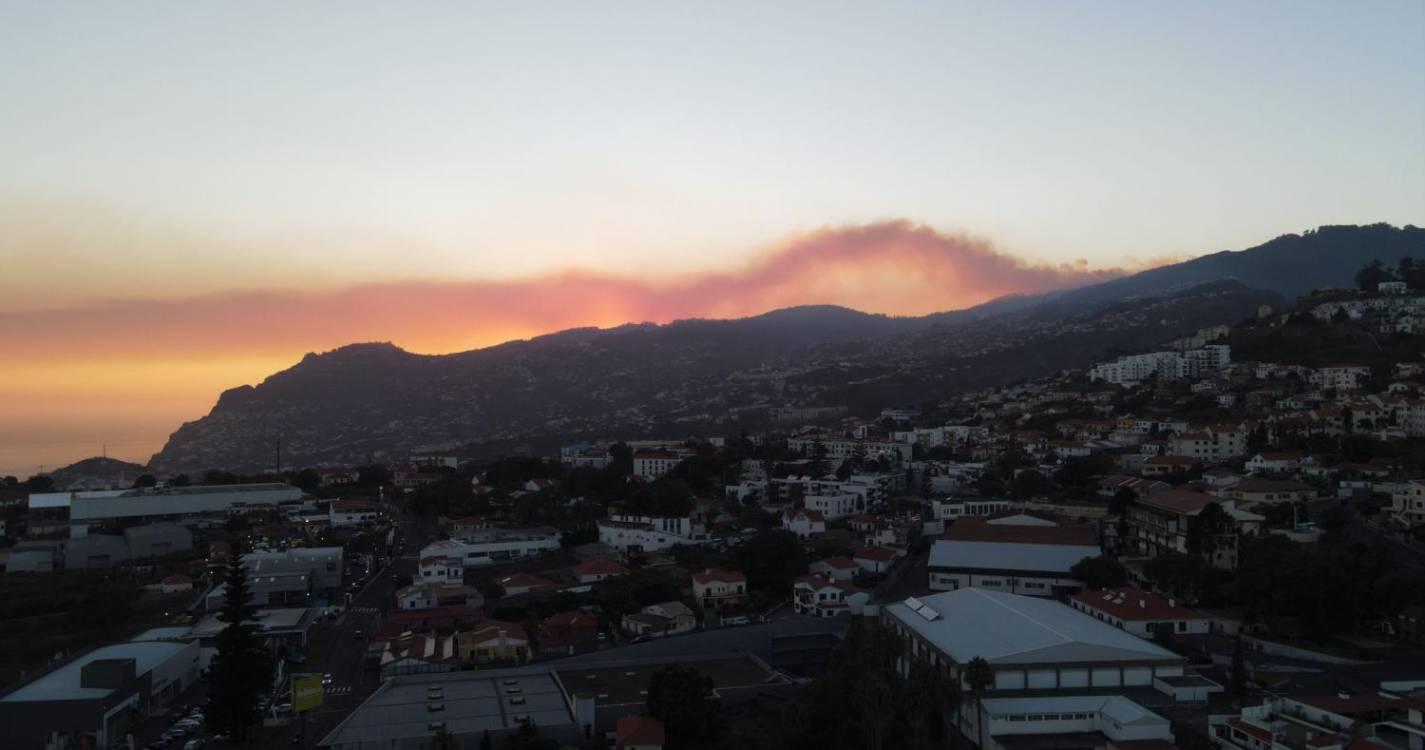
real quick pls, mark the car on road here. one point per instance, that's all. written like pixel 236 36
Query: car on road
pixel 193 744
pixel 358 635
pixel 326 679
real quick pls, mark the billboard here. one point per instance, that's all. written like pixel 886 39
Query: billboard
pixel 306 692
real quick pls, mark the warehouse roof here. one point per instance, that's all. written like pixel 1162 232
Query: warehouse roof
pixel 63 684
pixel 1011 629
pixel 1056 558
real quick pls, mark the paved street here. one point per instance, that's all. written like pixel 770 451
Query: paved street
pixel 349 635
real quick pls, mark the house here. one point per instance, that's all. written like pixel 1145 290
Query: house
pixel 419 653
pixel 1033 644
pixel 639 733
pixel 348 513
pixel 431 595
pixel 1140 612
pixel 819 596
pixel 446 619
pixel 1320 722
pixel 803 522
pixel 494 642
pixel 1253 490
pixel 1273 462
pixel 657 620
pixel 835 568
pixel 1157 466
pixel 598 569
pixel 523 583
pixel 567 633
pixel 719 589
pixel 441 569
pixel 1160 523
pixel 875 559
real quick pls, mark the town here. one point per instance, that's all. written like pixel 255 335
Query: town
pixel 1212 543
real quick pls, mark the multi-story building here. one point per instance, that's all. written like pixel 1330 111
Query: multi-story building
pixel 348 513
pixel 719 589
pixel 1020 554
pixel 833 447
pixel 951 509
pixel 831 506
pixel 1042 655
pixel 631 533
pixel 1160 522
pixel 650 465
pixel 820 596
pixel 1212 443
pixel 1341 377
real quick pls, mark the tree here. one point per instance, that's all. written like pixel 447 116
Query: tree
pixel 1211 522
pixel 307 480
pixel 242 668
pixel 979 677
pixel 678 697
pixel 1102 572
pixel 1368 278
pixel 181 480
pixel 145 480
pixel 1239 669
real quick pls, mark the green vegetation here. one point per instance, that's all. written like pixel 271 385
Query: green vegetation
pixel 243 666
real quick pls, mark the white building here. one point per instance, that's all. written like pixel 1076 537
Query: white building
pixel 1341 377
pixel 347 513
pixel 1029 643
pixel 630 533
pixel 1029 569
pixel 951 509
pixel 650 465
pixel 487 546
pixel 1141 613
pixel 831 506
pixel 83 510
pixel 1135 368
pixel 842 448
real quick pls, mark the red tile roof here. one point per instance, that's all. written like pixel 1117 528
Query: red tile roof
pixel 1178 501
pixel 1136 604
pixel 879 554
pixel 639 730
pixel 726 576
pixel 978 529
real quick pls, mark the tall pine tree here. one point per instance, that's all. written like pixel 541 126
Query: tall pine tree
pixel 242 668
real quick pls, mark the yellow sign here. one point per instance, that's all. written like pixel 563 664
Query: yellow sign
pixel 307 692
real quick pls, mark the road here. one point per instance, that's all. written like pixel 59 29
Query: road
pixel 352 683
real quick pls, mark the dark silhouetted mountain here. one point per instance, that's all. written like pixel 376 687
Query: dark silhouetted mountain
pixel 376 401
pixel 97 473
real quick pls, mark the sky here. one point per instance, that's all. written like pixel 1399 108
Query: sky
pixel 194 195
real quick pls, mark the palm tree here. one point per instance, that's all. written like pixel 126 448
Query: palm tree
pixel 979 677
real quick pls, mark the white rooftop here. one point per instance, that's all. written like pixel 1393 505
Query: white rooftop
pixel 1057 558
pixel 1116 707
pixel 63 683
pixel 1008 629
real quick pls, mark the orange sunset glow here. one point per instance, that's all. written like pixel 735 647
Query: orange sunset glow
pixel 169 359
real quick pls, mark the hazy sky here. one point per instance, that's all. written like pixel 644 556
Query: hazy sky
pixel 163 159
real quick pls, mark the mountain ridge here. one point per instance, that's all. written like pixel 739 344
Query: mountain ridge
pixel 362 400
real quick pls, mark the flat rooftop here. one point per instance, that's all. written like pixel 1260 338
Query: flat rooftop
pixel 472 702
pixel 268 621
pixel 63 684
pixel 626 684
